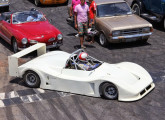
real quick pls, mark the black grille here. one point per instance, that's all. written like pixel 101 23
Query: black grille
pixel 131 31
pixel 148 87
pixel 142 92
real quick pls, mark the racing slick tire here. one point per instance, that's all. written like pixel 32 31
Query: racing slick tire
pixel 14 45
pixel 109 91
pixel 37 2
pixel 31 79
pixel 136 7
pixel 103 40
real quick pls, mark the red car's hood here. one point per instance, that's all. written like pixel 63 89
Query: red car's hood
pixel 37 28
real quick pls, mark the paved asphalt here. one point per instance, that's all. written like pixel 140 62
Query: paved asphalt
pixel 53 105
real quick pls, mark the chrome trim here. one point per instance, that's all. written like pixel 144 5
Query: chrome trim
pixel 4 37
pixel 33 41
pixel 54 45
pixel 4 5
pixel 21 48
pixel 47 47
pixel 51 39
pixel 132 36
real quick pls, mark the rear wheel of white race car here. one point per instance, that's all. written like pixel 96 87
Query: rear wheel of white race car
pixel 31 79
pixel 109 91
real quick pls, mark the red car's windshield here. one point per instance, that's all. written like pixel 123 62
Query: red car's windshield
pixel 27 16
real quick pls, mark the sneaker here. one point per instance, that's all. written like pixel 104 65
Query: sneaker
pixel 69 19
pixel 77 35
pixel 83 47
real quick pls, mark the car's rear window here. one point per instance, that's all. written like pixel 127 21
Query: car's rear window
pixel 113 9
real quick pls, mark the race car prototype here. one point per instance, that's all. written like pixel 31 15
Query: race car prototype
pixel 61 71
pixel 23 29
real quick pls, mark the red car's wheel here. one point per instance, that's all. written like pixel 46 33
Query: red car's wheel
pixel 14 45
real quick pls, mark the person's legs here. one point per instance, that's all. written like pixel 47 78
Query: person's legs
pixel 81 33
pixel 81 41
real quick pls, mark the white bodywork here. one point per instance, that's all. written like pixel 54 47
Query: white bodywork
pixel 132 81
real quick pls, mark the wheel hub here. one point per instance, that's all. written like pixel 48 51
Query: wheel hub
pixel 31 79
pixel 111 91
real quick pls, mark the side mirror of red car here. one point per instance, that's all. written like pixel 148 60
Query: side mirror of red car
pixel 50 20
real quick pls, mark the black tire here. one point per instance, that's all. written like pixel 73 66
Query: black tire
pixel 6 9
pixel 137 8
pixel 14 45
pixel 144 41
pixel 66 3
pixel 103 40
pixel 37 3
pixel 31 79
pixel 109 91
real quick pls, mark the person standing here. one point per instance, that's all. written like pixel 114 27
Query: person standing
pixel 81 20
pixel 92 15
pixel 74 3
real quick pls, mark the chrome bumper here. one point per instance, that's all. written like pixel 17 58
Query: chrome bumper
pixel 132 36
pixel 55 45
pixel 4 5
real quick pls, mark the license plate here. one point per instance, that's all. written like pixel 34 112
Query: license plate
pixel 131 39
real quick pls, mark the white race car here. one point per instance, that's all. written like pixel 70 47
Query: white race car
pixel 61 71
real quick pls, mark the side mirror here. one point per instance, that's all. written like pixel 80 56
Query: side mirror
pixel 50 20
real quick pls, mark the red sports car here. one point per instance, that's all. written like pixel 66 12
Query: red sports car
pixel 23 29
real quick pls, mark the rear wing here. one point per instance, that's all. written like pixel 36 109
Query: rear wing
pixel 13 59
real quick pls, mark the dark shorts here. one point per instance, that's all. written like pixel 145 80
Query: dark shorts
pixel 82 28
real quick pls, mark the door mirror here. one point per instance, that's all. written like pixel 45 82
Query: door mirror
pixel 50 20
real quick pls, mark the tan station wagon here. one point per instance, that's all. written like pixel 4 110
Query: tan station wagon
pixel 116 23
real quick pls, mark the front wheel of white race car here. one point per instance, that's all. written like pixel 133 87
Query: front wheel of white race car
pixel 31 79
pixel 109 91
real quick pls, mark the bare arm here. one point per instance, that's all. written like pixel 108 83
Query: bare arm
pixel 75 19
pixel 70 12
